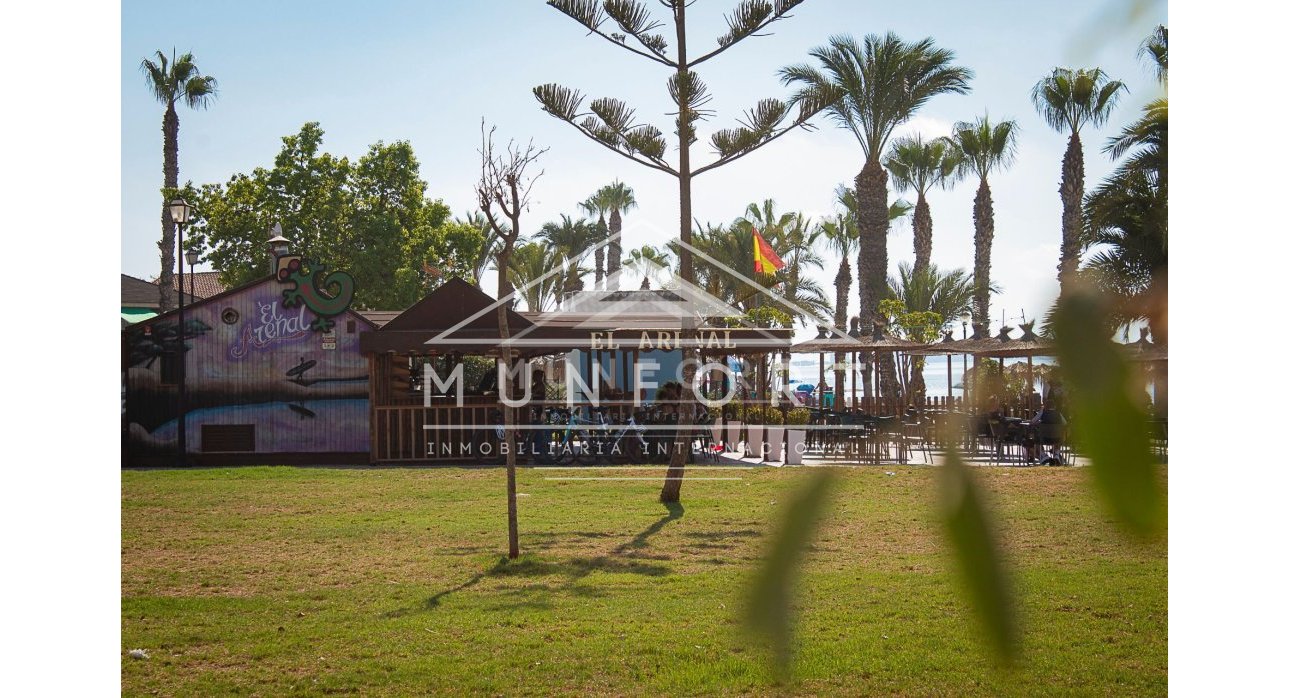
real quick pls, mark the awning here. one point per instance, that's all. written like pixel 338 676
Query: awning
pixel 133 315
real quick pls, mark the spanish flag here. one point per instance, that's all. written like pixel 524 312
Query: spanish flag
pixel 765 261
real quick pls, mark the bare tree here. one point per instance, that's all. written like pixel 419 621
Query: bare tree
pixel 503 190
pixel 612 124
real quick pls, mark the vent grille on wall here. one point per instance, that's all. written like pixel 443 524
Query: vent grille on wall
pixel 223 438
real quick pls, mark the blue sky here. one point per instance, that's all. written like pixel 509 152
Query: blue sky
pixel 427 72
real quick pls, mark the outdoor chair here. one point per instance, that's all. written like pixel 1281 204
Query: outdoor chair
pixel 1052 438
pixel 1005 442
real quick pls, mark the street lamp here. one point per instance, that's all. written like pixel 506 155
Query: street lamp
pixel 193 257
pixel 963 319
pixel 180 211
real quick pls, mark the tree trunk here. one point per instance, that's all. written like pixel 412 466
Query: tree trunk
pixel 615 261
pixel 922 235
pixel 671 491
pixel 508 412
pixel 600 252
pixel 872 224
pixel 922 263
pixel 1072 193
pixel 983 222
pixel 170 174
pixel 842 284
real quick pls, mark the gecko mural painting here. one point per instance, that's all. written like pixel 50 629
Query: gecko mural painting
pixel 264 378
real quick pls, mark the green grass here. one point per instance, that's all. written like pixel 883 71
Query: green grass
pixel 277 581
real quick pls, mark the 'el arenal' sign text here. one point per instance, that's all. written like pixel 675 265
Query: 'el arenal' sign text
pixel 707 339
pixel 270 326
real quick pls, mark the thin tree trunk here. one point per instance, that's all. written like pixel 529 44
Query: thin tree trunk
pixel 1072 194
pixel 508 412
pixel 615 261
pixel 922 263
pixel 983 222
pixel 170 174
pixel 671 491
pixel 922 235
pixel 842 284
pixel 600 252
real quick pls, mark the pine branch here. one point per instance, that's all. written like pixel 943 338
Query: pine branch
pixel 633 18
pixel 591 15
pixel 748 18
pixel 610 124
pixel 760 125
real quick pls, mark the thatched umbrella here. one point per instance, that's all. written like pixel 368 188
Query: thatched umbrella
pixel 1003 346
pixel 947 346
pixel 855 342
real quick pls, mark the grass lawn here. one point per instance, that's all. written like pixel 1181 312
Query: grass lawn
pixel 276 581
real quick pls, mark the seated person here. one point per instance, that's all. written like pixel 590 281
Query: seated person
pixel 1043 431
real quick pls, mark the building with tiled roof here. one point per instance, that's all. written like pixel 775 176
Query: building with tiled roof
pixel 202 284
pixel 140 299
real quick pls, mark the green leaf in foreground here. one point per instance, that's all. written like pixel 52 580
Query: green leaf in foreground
pixel 768 606
pixel 975 546
pixel 1111 428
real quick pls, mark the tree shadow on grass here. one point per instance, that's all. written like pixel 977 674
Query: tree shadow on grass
pixel 624 559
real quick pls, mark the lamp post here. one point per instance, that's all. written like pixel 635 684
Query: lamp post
pixel 179 213
pixel 193 257
pixel 963 319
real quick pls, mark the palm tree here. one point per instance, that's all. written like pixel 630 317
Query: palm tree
pixel 596 206
pixel 647 259
pixel 527 263
pixel 173 80
pixel 1128 229
pixel 1070 99
pixel 945 295
pixel 846 198
pixel 1155 48
pixel 882 83
pixel 568 241
pixel 618 200
pixel 983 148
pixel 1127 216
pixel 763 217
pixel 917 165
pixel 477 221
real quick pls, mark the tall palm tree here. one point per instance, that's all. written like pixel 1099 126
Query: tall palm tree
pixel 917 165
pixel 1127 216
pixel 882 82
pixel 846 198
pixel 596 206
pixel 618 200
pixel 983 148
pixel 173 80
pixel 840 237
pixel 1069 99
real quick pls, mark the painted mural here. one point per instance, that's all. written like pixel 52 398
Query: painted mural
pixel 258 357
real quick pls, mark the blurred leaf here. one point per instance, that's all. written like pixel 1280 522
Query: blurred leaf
pixel 1111 428
pixel 768 611
pixel 975 545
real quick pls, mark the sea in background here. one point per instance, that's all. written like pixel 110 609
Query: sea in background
pixel 806 369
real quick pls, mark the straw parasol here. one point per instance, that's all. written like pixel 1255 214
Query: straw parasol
pixel 1002 346
pixel 855 341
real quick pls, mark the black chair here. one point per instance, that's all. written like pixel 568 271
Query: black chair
pixel 1005 441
